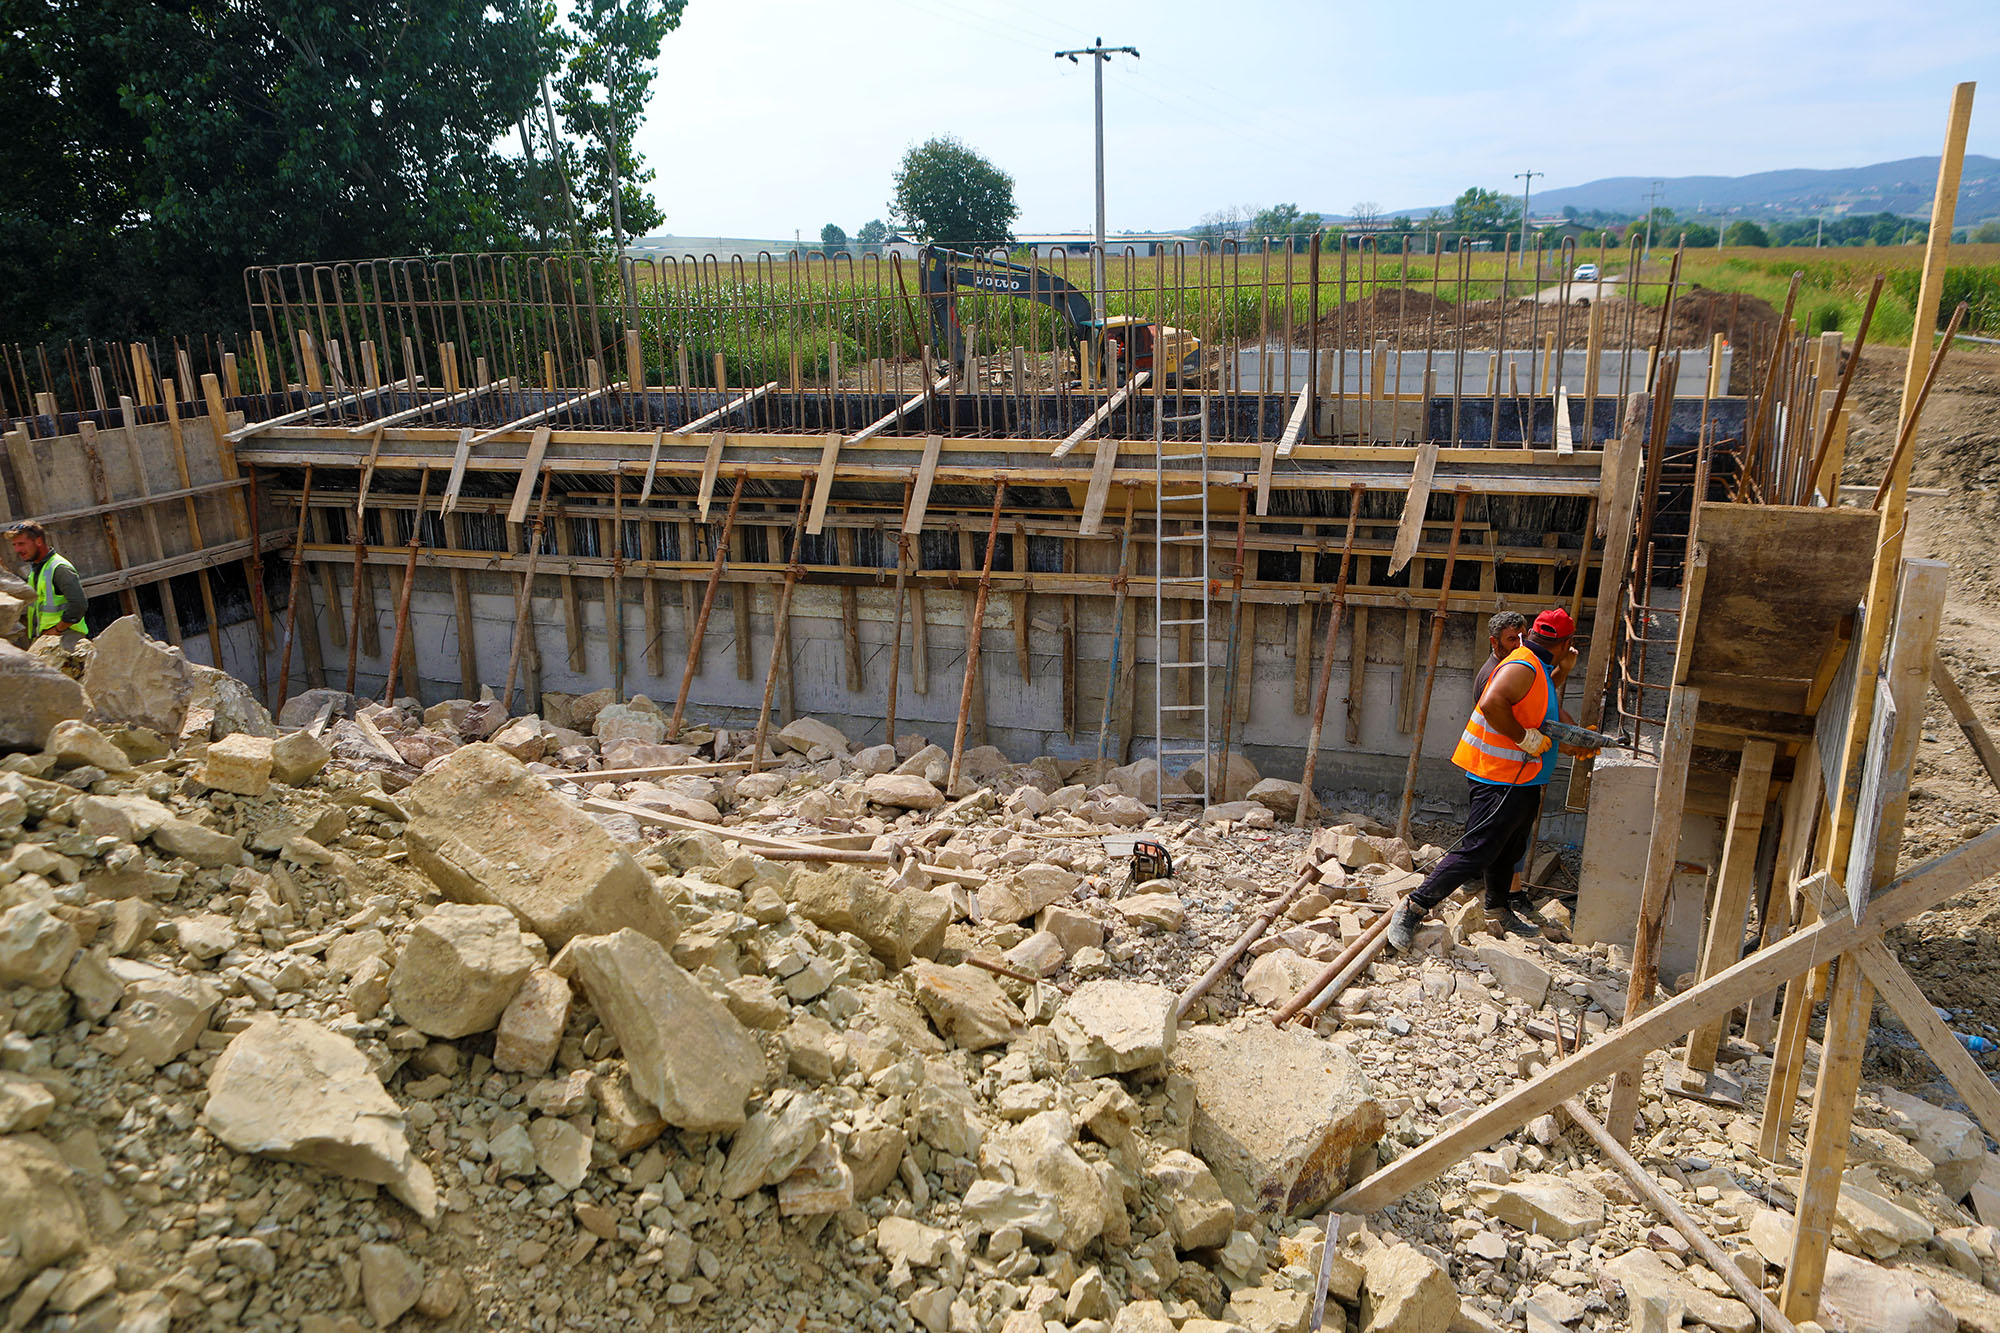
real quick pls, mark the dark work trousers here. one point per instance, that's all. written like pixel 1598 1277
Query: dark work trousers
pixel 1496 836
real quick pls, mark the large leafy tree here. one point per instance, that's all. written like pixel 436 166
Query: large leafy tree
pixel 947 193
pixel 1285 225
pixel 607 65
pixel 155 148
pixel 1485 215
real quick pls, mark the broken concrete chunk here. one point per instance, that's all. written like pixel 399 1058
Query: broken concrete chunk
pixel 486 830
pixel 1278 1113
pixel 460 967
pixel 688 1055
pixel 1116 1027
pixel 968 1005
pixel 290 1089
pixel 41 1217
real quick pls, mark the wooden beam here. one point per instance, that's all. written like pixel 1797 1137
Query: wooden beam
pixel 410 413
pixel 312 409
pixel 1968 721
pixel 1906 673
pixel 708 419
pixel 711 465
pixel 1936 881
pixel 1662 852
pixel 1416 500
pixel 1100 416
pixel 880 424
pixel 823 485
pixel 1724 945
pixel 1910 1004
pixel 1620 485
pixel 553 410
pixel 531 468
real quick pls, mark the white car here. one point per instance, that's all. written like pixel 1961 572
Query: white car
pixel 1584 273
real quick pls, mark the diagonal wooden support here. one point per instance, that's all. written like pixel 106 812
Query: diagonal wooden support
pixel 1410 530
pixel 1968 721
pixel 1966 866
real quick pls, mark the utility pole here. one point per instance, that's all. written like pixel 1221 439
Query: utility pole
pixel 1652 201
pixel 1099 53
pixel 1527 179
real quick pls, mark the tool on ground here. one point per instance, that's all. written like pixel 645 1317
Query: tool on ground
pixel 1150 860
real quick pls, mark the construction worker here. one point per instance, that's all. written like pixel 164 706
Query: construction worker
pixel 1507 761
pixel 1503 635
pixel 60 605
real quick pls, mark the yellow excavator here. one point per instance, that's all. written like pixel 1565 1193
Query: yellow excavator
pixel 1107 350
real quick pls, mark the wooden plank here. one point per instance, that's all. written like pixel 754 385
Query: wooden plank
pixel 1295 425
pixel 1415 501
pixel 411 413
pixel 1406 684
pixel 1968 721
pixel 461 598
pixel 1662 852
pixel 876 427
pixel 312 409
pixel 1841 1046
pixel 1357 668
pixel 1100 416
pixel 1565 439
pixel 531 471
pixel 920 492
pixel 1724 943
pixel 1099 494
pixel 703 422
pixel 823 485
pixel 711 465
pixel 1910 1004
pixel 1919 615
pixel 1620 487
pixel 1936 881
pixel 553 410
pixel 461 454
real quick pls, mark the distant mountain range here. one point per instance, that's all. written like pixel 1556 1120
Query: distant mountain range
pixel 1904 187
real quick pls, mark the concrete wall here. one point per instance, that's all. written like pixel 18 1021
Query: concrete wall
pixel 1024 718
pixel 1613 870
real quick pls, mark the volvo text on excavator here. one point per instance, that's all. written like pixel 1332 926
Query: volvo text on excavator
pixel 1112 349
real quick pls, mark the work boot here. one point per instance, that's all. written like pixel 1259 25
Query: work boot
pixel 1402 932
pixel 1508 919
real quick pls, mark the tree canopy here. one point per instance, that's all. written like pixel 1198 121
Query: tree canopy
pixel 1484 215
pixel 946 193
pixel 157 148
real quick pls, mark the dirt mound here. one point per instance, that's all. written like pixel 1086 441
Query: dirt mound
pixel 1748 322
pixel 1381 313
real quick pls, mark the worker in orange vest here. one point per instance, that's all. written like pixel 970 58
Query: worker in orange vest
pixel 1507 761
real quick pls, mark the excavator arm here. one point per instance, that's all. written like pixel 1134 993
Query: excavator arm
pixel 947 271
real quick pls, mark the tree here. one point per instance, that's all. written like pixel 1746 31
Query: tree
pixel 1485 215
pixel 1222 224
pixel 1285 223
pixel 605 80
pixel 832 240
pixel 1365 213
pixel 1987 232
pixel 873 232
pixel 950 195
pixel 1697 235
pixel 1745 233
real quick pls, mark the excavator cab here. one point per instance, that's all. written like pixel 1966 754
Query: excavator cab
pixel 1140 346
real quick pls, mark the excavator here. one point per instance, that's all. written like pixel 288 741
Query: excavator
pixel 1113 349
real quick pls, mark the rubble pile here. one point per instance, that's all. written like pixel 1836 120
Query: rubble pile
pixel 388 1016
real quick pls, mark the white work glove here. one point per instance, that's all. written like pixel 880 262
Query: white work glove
pixel 1535 744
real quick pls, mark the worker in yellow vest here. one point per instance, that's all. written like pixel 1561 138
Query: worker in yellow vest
pixel 1507 762
pixel 60 604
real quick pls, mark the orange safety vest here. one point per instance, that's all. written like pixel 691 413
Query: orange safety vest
pixel 1489 756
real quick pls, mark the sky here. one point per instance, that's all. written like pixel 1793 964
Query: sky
pixel 775 116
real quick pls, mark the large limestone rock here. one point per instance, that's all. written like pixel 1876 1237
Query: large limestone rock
pixel 303 707
pixel 1545 1204
pixel 1043 1151
pixel 486 830
pixel 898 926
pixel 1141 780
pixel 805 733
pixel 163 1016
pixel 1403 1291
pixel 628 722
pixel 1954 1144
pixel 1278 1113
pixel 136 680
pixel 36 946
pixel 1031 888
pixel 1646 1279
pixel 41 1218
pixel 902 791
pixel 459 968
pixel 1867 1296
pixel 1277 976
pixel 688 1055
pixel 37 697
pixel 1514 965
pixel 296 759
pixel 240 762
pixel 290 1089
pixel 1870 1224
pixel 76 744
pixel 967 1005
pixel 531 1026
pixel 1116 1027
pixel 233 707
pixel 1199 1213
pixel 1240 776
pixel 1282 797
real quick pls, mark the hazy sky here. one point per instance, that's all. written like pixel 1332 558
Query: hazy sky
pixel 775 115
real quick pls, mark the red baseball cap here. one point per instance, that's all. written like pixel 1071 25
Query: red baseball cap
pixel 1554 624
